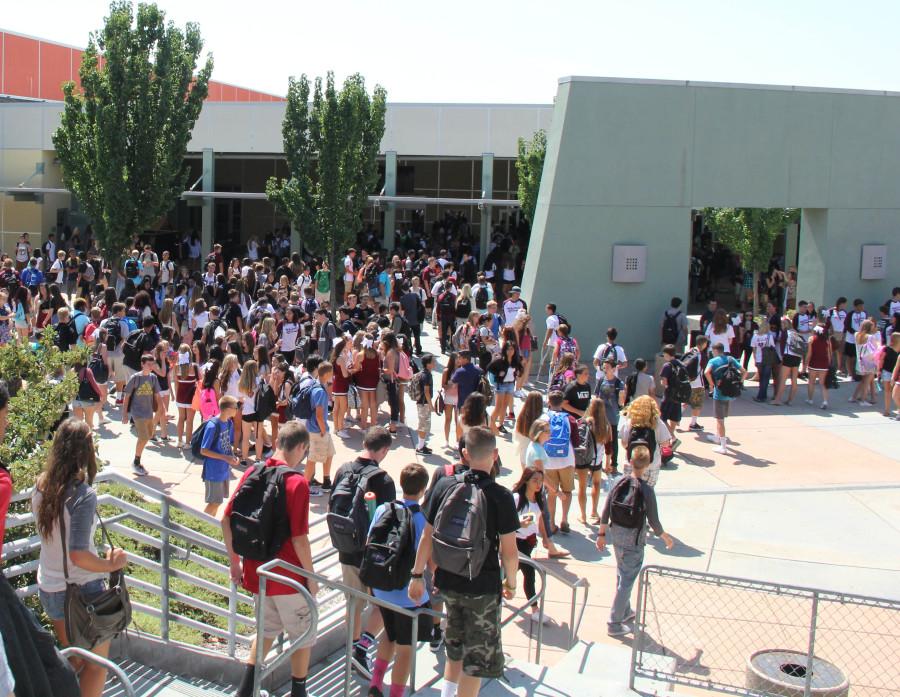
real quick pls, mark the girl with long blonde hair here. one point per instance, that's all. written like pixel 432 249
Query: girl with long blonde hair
pixel 601 432
pixel 643 414
pixel 248 386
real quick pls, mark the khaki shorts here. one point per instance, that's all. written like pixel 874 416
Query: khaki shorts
pixel 321 447
pixel 289 614
pixel 697 398
pixel 350 577
pixel 119 371
pixel 322 297
pixel 722 408
pixel 562 479
pixel 424 413
pixel 144 428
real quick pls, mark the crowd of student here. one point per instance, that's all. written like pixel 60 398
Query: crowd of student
pixel 255 346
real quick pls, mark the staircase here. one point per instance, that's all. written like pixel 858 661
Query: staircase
pixel 587 670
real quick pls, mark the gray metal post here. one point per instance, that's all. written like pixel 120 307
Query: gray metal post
pixel 487 191
pixel 232 619
pixel 812 643
pixel 260 640
pixel 164 557
pixel 390 189
pixel 638 624
pixel 209 204
pixel 540 624
pixel 415 645
pixel 348 649
pixel 572 617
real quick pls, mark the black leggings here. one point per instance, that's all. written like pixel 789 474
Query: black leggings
pixel 746 352
pixel 393 395
pixel 526 548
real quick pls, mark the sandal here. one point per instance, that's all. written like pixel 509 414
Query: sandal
pixel 564 527
pixel 558 555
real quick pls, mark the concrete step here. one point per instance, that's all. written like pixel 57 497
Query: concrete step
pixel 611 664
pixel 150 682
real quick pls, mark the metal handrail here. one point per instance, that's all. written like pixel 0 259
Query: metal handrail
pixel 415 614
pixel 101 661
pixel 583 583
pixel 266 574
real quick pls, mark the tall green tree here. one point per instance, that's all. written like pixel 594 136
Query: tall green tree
pixel 750 233
pixel 529 166
pixel 331 146
pixel 124 135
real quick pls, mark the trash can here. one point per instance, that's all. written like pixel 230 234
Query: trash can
pixel 784 672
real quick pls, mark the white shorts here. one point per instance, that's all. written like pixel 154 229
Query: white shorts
pixel 289 614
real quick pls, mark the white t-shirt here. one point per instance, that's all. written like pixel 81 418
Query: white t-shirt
pixel 231 389
pixel 552 325
pixel 759 341
pixel 289 333
pixel 662 435
pixel 894 307
pixel 59 268
pixel 511 309
pixel 348 269
pixel 22 251
pixel 724 338
pixel 534 511
pixel 201 320
pixel 253 250
pixel 853 325
pixel 166 271
pixel 837 318
pixel 599 355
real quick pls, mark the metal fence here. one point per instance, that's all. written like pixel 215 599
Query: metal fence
pixel 761 639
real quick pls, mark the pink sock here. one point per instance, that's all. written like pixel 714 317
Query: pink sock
pixel 397 690
pixel 378 670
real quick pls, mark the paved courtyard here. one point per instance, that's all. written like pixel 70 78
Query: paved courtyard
pixel 806 497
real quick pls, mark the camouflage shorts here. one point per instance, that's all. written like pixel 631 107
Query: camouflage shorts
pixel 473 633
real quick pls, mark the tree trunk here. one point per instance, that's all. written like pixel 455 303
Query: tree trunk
pixel 337 280
pixel 755 293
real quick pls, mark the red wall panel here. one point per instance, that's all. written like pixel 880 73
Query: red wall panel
pixel 214 91
pixel 20 66
pixel 56 68
pixel 76 66
pixel 242 95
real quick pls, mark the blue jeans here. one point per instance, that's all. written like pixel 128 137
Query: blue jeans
pixel 628 545
pixel 765 374
pixel 54 603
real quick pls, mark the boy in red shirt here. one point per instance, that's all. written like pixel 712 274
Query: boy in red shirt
pixel 285 609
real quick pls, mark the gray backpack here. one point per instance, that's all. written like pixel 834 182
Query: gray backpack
pixel 460 529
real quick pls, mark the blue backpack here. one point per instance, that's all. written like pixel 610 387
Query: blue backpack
pixel 560 435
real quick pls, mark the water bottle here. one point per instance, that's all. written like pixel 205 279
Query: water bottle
pixel 369 498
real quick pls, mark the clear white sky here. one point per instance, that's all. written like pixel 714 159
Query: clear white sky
pixel 514 51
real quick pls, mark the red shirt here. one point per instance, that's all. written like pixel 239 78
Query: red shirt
pixel 5 496
pixel 298 517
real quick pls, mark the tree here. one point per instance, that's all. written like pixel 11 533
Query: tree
pixel 750 233
pixel 529 166
pixel 331 148
pixel 123 137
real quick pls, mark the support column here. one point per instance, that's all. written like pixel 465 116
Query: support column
pixel 813 263
pixel 791 242
pixel 209 204
pixel 390 189
pixel 296 240
pixel 487 191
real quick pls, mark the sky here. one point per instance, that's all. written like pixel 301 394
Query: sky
pixel 503 51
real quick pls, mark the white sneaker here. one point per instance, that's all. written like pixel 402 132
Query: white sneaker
pixel 864 403
pixel 722 450
pixel 808 401
pixel 343 433
pixel 824 406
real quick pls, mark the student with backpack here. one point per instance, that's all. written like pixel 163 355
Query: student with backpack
pixel 312 392
pixel 676 384
pixel 142 399
pixel 348 525
pixel 559 469
pixel 629 509
pixel 421 391
pixel 726 375
pixel 218 454
pixel 285 609
pixel 641 423
pixel 394 536
pixel 610 351
pixel 674 325
pixel 472 521
pixel 594 435
pixel 693 362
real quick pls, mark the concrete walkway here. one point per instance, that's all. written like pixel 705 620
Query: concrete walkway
pixel 805 497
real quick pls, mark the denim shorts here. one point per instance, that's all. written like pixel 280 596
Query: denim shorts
pixel 54 604
pixel 506 388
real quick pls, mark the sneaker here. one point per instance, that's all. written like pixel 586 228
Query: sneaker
pixel 618 629
pixel 695 427
pixel 520 394
pixel 629 618
pixel 118 402
pixel 343 433
pixel 536 616
pixel 138 469
pixel 437 639
pixel 808 401
pixel 315 482
pixel 424 450
pixel 852 400
pixel 359 659
pixel 326 484
pixel 722 450
pixel 759 401
pixel 865 403
pixel 824 406
pixel 712 438
pixel 375 692
pixel 315 491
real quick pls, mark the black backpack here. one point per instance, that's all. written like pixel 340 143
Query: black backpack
pixel 264 402
pixel 132 350
pixel 66 335
pixel 691 362
pixel 301 398
pixel 728 380
pixel 197 437
pixel 259 522
pixel 610 352
pixel 86 391
pixel 564 320
pixel 98 367
pixel 642 435
pixel 481 298
pixel 630 387
pixel 586 450
pixel 670 328
pixel 626 508
pixel 348 517
pixel 131 268
pixel 460 541
pixel 446 304
pixel 113 328
pixel 391 549
pixel 679 384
